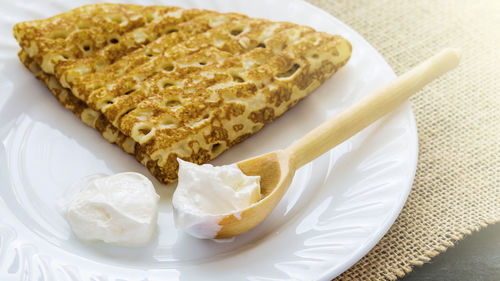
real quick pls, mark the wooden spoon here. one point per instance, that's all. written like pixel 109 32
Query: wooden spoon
pixel 277 168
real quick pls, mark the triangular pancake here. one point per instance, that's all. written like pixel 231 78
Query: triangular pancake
pixel 165 82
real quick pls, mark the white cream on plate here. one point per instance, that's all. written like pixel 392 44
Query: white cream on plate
pixel 205 194
pixel 120 209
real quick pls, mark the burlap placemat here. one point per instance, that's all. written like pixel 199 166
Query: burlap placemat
pixel 457 184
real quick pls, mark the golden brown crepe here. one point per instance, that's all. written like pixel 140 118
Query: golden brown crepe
pixel 165 82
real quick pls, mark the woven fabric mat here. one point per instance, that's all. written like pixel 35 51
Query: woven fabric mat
pixel 457 184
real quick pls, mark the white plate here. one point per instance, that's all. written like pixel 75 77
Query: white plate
pixel 336 210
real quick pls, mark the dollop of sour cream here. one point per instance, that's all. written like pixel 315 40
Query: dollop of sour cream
pixel 205 194
pixel 120 209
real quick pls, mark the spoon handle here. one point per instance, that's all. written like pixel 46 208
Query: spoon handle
pixel 370 108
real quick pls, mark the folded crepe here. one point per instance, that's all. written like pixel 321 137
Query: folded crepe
pixel 165 82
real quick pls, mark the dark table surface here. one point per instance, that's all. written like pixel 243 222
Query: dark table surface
pixel 476 258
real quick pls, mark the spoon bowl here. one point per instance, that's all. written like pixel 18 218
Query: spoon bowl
pixel 276 174
pixel 276 169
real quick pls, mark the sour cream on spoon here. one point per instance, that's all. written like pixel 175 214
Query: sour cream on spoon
pixel 205 194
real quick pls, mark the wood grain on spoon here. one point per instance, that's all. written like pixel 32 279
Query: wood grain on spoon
pixel 278 168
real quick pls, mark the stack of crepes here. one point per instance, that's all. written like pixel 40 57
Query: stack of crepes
pixel 165 82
